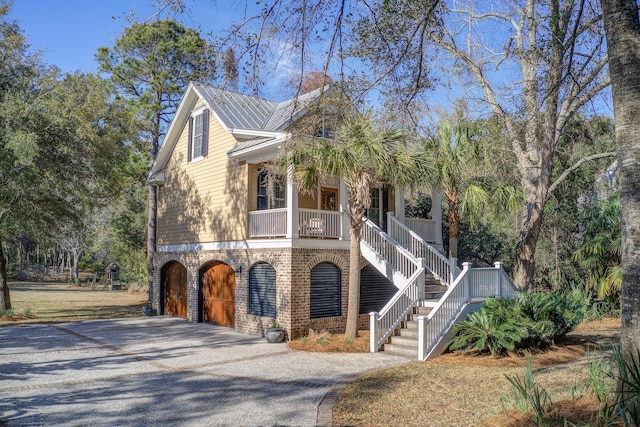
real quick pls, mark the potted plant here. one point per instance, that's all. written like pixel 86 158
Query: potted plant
pixel 274 333
pixel 148 309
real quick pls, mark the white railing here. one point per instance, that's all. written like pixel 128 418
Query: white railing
pixel 320 224
pixel 383 324
pixel 390 250
pixel 425 228
pixel 436 263
pixel 470 284
pixel 268 223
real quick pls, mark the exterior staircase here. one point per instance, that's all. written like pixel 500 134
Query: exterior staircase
pixel 433 293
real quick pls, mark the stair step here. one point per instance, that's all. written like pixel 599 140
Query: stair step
pixel 404 341
pixel 400 350
pixel 408 333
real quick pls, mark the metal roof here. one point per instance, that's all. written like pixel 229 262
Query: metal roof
pixel 238 111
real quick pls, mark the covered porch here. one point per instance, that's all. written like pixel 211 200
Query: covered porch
pixel 288 214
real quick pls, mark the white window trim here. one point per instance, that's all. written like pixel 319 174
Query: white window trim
pixel 195 113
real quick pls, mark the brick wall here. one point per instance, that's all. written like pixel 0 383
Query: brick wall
pixel 293 270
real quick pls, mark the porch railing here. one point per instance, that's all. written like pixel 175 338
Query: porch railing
pixel 471 283
pixel 425 228
pixel 441 267
pixel 320 224
pixel 268 223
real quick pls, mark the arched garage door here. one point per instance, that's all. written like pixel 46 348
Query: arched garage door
pixel 218 286
pixel 175 290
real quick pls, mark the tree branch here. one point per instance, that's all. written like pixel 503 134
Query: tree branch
pixel 579 163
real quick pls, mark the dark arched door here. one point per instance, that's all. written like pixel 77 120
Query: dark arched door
pixel 175 290
pixel 219 295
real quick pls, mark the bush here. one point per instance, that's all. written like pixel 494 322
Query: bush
pixel 534 320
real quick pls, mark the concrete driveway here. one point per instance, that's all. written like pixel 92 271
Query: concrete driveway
pixel 164 371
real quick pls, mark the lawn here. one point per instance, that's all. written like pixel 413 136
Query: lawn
pixel 48 302
pixel 465 390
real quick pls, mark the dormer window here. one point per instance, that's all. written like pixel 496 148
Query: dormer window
pixel 198 135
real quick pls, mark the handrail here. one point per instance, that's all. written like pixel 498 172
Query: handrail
pixel 382 324
pixel 470 284
pixel 402 260
pixel 436 263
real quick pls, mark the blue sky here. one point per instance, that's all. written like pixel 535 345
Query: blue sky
pixel 69 32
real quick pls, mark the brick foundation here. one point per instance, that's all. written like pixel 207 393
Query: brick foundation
pixel 293 272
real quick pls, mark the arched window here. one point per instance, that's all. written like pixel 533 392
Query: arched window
pixel 326 285
pixel 262 290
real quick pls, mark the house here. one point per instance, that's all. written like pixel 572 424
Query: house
pixel 236 252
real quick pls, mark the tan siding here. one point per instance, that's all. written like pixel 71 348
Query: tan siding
pixel 307 202
pixel 206 200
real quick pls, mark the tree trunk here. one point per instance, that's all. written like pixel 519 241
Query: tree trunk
pixel 5 296
pixel 622 28
pixel 353 305
pixel 152 213
pixel 454 228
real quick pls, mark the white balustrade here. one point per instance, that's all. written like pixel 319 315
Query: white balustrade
pixel 320 224
pixel 268 223
pixel 471 283
pixel 436 263
pixel 402 260
pixel 425 228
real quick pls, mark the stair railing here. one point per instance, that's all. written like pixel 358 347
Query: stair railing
pixel 400 259
pixel 444 269
pixel 384 323
pixel 472 283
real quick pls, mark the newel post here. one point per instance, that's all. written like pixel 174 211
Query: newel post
pixel 421 284
pixel 373 332
pixel 499 267
pixel 422 339
pixel 466 271
pixel 453 265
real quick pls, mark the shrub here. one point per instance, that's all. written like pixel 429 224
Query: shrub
pixel 533 321
pixel 488 331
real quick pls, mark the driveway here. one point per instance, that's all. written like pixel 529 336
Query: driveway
pixel 164 371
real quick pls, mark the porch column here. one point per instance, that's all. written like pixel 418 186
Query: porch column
pixel 292 206
pixel 344 218
pixel 436 213
pixel 398 193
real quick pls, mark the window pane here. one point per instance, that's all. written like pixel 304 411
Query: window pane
pixel 197 136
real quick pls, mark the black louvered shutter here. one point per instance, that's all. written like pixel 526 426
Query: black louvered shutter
pixel 262 290
pixel 325 298
pixel 190 141
pixel 205 133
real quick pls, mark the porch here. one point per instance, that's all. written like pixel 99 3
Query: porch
pixel 323 224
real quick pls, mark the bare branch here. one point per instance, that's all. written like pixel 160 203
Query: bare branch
pixel 579 163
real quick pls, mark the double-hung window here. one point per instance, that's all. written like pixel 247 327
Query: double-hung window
pixel 198 135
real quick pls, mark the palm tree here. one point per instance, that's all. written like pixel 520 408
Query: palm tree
pixel 460 158
pixel 601 247
pixel 364 156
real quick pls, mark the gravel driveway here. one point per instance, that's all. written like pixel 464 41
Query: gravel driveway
pixel 164 371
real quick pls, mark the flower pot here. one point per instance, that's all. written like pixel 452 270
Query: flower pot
pixel 274 335
pixel 149 311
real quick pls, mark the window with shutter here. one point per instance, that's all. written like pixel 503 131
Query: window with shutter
pixel 326 295
pixel 198 135
pixel 262 290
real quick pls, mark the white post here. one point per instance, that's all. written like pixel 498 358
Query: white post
pixel 421 287
pixel 498 266
pixel 373 332
pixel 398 193
pixel 422 345
pixel 292 206
pixel 436 214
pixel 344 218
pixel 453 265
pixel 465 267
